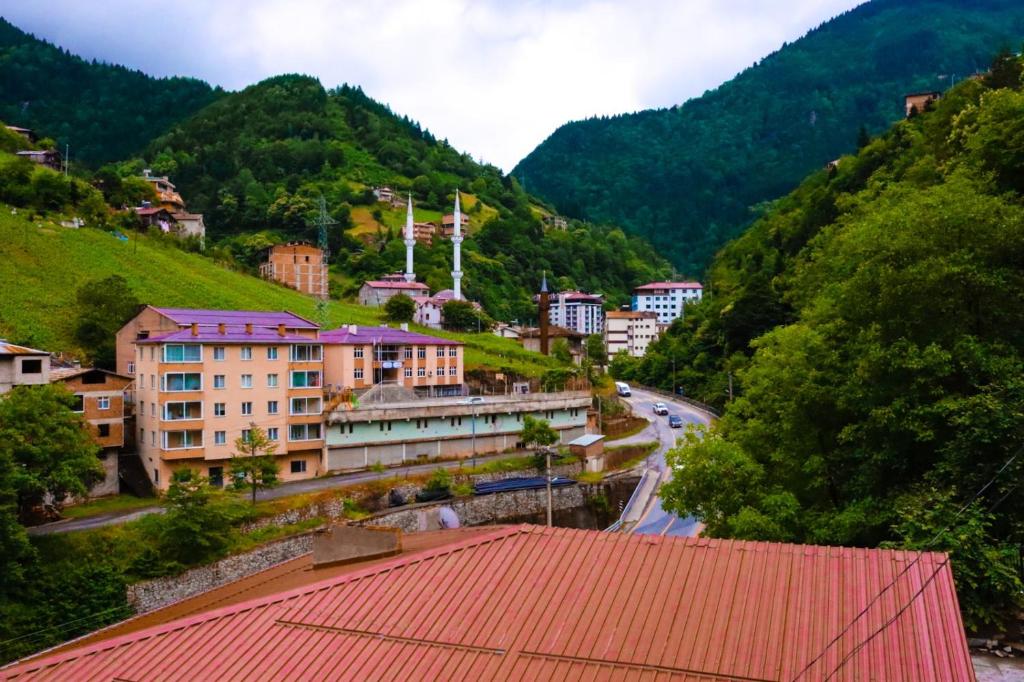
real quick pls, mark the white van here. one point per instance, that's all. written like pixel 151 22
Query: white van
pixel 622 388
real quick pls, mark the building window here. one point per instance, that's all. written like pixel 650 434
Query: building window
pixel 440 351
pixel 357 373
pixel 179 440
pixel 271 407
pixel 218 352
pixel 421 352
pixel 408 372
pixel 245 435
pixel 152 438
pixel 456 421
pixel 131 367
pixel 31 366
pixel 152 381
pixel 247 352
pixel 218 381
pixel 272 353
pixel 304 432
pixel 304 406
pixel 183 352
pixel 156 475
pixel 219 409
pixel 179 411
pixel 152 409
pixel 104 430
pixel 305 379
pixel 452 371
pixel 176 382
pixel 79 405
pixel 220 437
pixel 383 424
pixel 298 466
pixel 357 352
pixel 272 380
pixel 407 353
pixel 273 433
pixel 246 381
pixel 247 408
pixel 453 352
pixel 421 371
pixel 306 352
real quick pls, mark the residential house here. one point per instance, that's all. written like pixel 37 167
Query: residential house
pixel 428 312
pixel 190 225
pixel 630 331
pixel 22 366
pixel 448 224
pixel 299 265
pixel 583 313
pixel 666 299
pixel 50 158
pixel 26 133
pixel 376 293
pixel 167 194
pixel 919 102
pixel 158 217
pixel 424 232
pixel 508 331
pixel 531 340
pixel 523 602
pixel 386 195
pixel 556 222
pixel 182 222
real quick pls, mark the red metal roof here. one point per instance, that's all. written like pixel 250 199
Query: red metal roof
pixel 531 603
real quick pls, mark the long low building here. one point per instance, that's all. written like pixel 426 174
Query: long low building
pixel 393 433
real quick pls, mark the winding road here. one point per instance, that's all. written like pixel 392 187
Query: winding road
pixel 647 515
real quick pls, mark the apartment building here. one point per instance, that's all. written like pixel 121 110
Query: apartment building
pixel 582 313
pixel 203 378
pixel 630 331
pixel 298 265
pixel 666 299
pixel 22 366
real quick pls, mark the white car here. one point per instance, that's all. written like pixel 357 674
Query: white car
pixel 475 400
pixel 660 408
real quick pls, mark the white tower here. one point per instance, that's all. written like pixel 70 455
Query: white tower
pixel 457 242
pixel 410 242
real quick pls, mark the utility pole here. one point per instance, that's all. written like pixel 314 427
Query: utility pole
pixel 322 222
pixel 547 457
pixel 730 387
pixel 474 437
pixel 673 372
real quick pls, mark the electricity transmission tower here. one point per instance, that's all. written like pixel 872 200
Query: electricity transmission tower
pixel 323 222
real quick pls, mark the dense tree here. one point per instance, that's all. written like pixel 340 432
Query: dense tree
pixel 253 467
pixel 463 316
pixel 198 522
pixel 104 306
pixel 596 351
pixel 400 308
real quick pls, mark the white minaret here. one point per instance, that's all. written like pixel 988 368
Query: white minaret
pixel 410 242
pixel 457 243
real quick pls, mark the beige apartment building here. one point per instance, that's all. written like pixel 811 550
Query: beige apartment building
pixel 299 265
pixel 630 330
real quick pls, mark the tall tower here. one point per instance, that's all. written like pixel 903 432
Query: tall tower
pixel 543 313
pixel 410 242
pixel 457 243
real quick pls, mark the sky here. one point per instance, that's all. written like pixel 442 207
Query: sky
pixel 493 77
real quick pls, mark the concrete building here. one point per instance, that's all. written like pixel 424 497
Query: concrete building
pixel 393 433
pixel 179 221
pixel 666 299
pixel 166 192
pixel 424 232
pixel 50 158
pixel 190 225
pixel 22 366
pixel 376 293
pixel 448 224
pixel 26 133
pixel 919 102
pixel 582 313
pixel 630 331
pixel 299 265
pixel 101 402
pixel 203 378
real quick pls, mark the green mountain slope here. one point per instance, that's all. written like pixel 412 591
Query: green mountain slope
pixel 104 112
pixel 873 325
pixel 690 177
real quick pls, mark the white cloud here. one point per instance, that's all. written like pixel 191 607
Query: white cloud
pixel 494 77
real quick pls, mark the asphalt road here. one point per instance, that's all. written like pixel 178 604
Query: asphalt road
pixel 283 490
pixel 655 520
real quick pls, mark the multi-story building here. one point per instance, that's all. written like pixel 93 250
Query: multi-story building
pixel 580 312
pixel 377 292
pixel 22 366
pixel 448 224
pixel 359 358
pixel 424 232
pixel 630 331
pixel 299 265
pixel 166 192
pixel 666 299
pixel 203 378
pixel 100 400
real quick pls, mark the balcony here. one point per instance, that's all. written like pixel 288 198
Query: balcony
pixel 182 411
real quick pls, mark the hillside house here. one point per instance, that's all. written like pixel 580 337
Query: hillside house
pixel 22 366
pixel 166 192
pixel 299 265
pixel 424 232
pixel 158 217
pixel 556 222
pixel 919 102
pixel 386 195
pixel 26 133
pixel 376 293
pixel 190 225
pixel 448 224
pixel 50 158
pixel 530 339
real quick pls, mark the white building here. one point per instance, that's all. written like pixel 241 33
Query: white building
pixel 580 312
pixel 631 331
pixel 666 299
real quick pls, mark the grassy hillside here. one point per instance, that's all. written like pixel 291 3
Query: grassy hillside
pixel 42 265
pixel 691 177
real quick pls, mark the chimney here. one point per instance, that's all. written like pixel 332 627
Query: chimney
pixel 404 326
pixel 353 329
pixel 221 328
pixel 248 327
pixel 195 329
pixel 280 329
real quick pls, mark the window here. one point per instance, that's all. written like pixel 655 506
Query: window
pixel 142 436
pixel 131 367
pixel 305 379
pixel 408 372
pixel 304 406
pixel 151 351
pixel 272 433
pixel 218 352
pixel 422 423
pixel 408 353
pixel 440 351
pixel 245 435
pixel 298 466
pixel 421 352
pixel 247 352
pixel 183 352
pixel 179 440
pixel 220 437
pixel 453 352
pixel 452 371
pixel 103 403
pixel 456 421
pixel 304 432
pixel 142 408
pixel 271 352
pixel 306 352
pixel 182 410
pixel 271 407
pixel 152 438
pixel 152 381
pixel 220 409
pixel 421 371
pixel 156 475
pixel 31 366
pixel 218 381
pixel 357 352
pixel 104 430
pixel 176 382
pixel 272 380
pixel 246 381
pixel 357 373
pixel 79 405
pixel 216 476
pixel 152 409
pixel 383 424
pixel 247 408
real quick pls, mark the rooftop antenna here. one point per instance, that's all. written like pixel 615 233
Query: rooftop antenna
pixel 322 222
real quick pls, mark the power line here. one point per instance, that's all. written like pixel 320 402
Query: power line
pixel 899 575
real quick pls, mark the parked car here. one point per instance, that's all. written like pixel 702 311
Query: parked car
pixel 622 388
pixel 660 408
pixel 675 421
pixel 474 400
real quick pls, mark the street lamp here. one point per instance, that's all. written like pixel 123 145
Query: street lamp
pixel 474 437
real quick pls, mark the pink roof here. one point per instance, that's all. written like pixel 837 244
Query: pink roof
pixel 669 285
pixel 258 318
pixel 529 603
pixel 382 284
pixel 345 336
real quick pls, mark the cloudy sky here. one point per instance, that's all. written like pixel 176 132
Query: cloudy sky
pixel 495 77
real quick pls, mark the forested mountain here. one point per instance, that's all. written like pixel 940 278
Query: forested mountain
pixel 693 176
pixel 103 112
pixel 257 161
pixel 873 324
